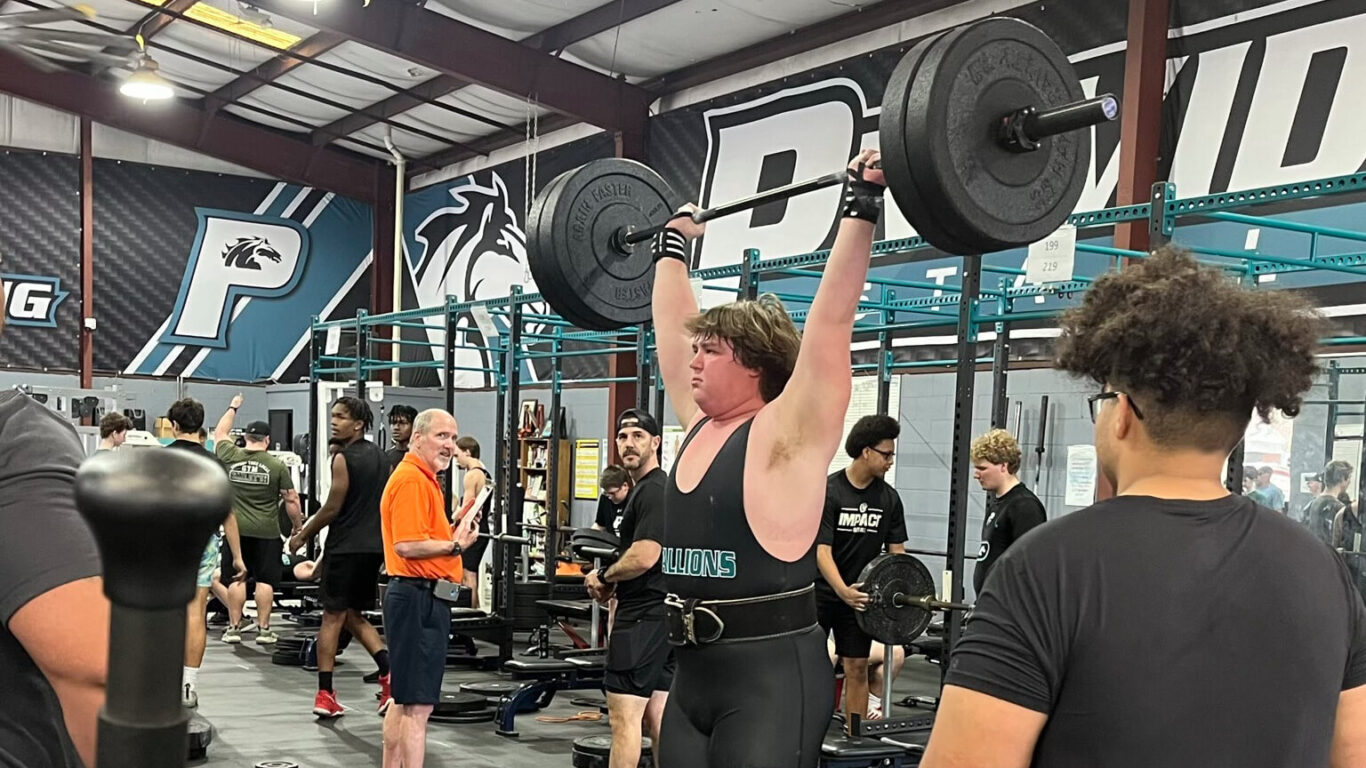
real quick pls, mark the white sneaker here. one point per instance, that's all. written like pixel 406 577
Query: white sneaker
pixel 874 707
pixel 188 697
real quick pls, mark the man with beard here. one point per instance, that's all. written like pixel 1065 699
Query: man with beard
pixel 640 661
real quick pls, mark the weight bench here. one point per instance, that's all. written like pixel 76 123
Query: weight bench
pixel 542 679
pixel 469 625
pixel 562 611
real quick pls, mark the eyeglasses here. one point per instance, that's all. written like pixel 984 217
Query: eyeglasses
pixel 1093 399
pixel 888 455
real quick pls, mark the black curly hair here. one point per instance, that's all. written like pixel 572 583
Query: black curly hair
pixel 1196 351
pixel 868 431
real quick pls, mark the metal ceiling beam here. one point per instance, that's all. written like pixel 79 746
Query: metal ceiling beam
pixel 271 69
pixel 486 144
pixel 558 37
pixel 151 25
pixel 178 123
pixel 878 16
pixel 477 56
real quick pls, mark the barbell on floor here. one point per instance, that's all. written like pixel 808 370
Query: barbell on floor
pixel 901 599
pixel 981 148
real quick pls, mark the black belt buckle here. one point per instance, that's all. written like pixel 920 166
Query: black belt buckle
pixel 680 617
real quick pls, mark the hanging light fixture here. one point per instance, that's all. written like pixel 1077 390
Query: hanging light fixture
pixel 146 82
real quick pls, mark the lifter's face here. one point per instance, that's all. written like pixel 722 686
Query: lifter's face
pixel 719 381
pixel 344 425
pixel 880 457
pixel 635 446
pixel 436 446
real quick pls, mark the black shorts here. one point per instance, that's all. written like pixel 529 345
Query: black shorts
pixel 417 627
pixel 470 558
pixel 640 659
pixel 836 616
pixel 262 557
pixel 350 581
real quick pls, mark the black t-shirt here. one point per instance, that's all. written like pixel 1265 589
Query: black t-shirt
pixel 1319 514
pixel 356 528
pixel 643 596
pixel 1158 632
pixel 395 456
pixel 609 515
pixel 857 524
pixel 44 544
pixel 1008 518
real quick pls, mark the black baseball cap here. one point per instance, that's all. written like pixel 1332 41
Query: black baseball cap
pixel 637 417
pixel 258 429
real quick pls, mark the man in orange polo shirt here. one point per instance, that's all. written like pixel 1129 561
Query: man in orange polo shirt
pixel 422 556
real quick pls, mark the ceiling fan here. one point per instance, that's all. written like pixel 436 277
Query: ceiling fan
pixel 51 49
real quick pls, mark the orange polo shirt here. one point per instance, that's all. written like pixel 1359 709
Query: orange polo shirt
pixel 414 509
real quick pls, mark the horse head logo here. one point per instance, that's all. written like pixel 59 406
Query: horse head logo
pixel 472 249
pixel 245 252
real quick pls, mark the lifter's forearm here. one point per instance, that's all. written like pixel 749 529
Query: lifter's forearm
pixel 224 427
pixel 841 286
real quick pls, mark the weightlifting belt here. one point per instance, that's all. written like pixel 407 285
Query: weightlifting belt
pixel 694 622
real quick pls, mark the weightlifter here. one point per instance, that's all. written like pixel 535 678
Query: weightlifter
pixel 477 477
pixel 1176 623
pixel 640 661
pixel 187 427
pixel 260 482
pixel 422 556
pixel 863 516
pixel 355 549
pixel 54 617
pixel 764 410
pixel 1012 509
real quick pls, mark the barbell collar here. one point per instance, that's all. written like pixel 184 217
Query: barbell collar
pixel 1024 129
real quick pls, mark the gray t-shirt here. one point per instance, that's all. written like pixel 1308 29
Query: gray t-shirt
pixel 1163 633
pixel 44 544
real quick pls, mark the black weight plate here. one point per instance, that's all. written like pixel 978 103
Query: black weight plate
pixel 886 576
pixel 993 198
pixel 577 269
pixel 455 703
pixel 546 268
pixel 896 165
pixel 601 745
pixel 464 718
pixel 492 689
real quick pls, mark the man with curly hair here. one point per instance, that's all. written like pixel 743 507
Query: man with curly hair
pixel 1176 623
pixel 1012 509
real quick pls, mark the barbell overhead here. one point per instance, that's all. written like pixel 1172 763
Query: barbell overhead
pixel 982 148
pixel 901 599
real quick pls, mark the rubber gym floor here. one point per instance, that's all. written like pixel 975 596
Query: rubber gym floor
pixel 261 711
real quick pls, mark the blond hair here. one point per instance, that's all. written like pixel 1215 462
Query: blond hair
pixel 997 447
pixel 762 335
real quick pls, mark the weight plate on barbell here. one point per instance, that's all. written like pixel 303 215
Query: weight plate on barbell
pixel 579 269
pixel 885 577
pixel 546 271
pixel 896 166
pixel 985 196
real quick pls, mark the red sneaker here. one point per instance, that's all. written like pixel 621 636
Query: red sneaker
pixel 386 697
pixel 325 705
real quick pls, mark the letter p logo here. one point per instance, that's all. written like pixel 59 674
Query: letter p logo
pixel 235 255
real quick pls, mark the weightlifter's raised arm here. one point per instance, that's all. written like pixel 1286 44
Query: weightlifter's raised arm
pixel 809 414
pixel 672 305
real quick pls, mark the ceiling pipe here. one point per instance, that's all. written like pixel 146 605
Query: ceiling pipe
pixel 400 168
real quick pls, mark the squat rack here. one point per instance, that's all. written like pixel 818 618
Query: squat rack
pixel 1162 213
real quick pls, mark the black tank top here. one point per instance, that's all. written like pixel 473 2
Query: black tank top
pixel 488 503
pixel 709 551
pixel 356 528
